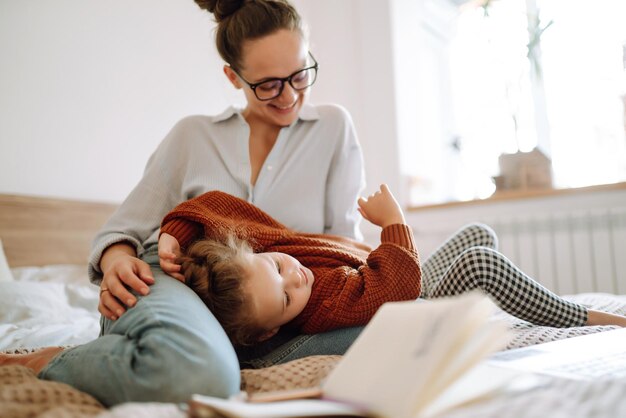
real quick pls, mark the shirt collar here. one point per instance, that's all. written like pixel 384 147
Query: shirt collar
pixel 227 114
pixel 307 113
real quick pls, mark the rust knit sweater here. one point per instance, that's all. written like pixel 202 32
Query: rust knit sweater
pixel 351 280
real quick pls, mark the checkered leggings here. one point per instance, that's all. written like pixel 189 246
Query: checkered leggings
pixel 470 260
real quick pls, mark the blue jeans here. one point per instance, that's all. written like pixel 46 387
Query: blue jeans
pixel 168 347
pixel 287 346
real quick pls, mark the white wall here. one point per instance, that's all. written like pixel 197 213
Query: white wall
pixel 89 88
pixel 353 40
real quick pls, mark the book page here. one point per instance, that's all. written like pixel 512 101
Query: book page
pixel 478 338
pixel 480 383
pixel 285 395
pixel 400 361
pixel 207 406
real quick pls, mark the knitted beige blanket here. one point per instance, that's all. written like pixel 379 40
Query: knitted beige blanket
pixel 23 395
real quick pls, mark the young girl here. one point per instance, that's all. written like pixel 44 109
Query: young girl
pixel 314 282
pixel 256 275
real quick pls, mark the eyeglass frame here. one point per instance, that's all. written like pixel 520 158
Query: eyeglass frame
pixel 253 86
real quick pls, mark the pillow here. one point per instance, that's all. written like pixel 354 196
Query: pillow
pixel 5 271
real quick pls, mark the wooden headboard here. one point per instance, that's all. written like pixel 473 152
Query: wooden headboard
pixel 36 231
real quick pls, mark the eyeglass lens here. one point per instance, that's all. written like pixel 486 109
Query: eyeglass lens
pixel 299 81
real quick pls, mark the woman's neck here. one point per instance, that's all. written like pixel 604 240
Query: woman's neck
pixel 260 128
pixel 262 139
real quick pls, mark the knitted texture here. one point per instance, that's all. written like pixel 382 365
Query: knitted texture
pixel 304 373
pixel 22 395
pixel 351 280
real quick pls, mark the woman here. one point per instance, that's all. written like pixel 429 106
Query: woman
pixel 168 346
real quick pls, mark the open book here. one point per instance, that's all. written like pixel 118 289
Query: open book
pixel 412 359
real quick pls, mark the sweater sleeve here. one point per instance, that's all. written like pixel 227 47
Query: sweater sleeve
pixel 345 296
pixel 183 230
pixel 215 214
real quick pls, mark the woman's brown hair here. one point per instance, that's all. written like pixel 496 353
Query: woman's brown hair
pixel 216 271
pixel 242 20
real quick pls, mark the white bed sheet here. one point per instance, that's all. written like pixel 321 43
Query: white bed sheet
pixel 45 306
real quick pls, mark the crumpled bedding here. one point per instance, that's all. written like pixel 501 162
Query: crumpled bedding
pixel 48 306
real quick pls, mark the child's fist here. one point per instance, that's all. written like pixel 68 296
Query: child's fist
pixel 169 251
pixel 381 208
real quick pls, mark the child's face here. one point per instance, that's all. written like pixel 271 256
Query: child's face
pixel 279 287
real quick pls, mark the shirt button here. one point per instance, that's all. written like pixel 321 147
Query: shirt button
pixel 269 167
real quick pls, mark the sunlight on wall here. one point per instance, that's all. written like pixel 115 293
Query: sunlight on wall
pixel 585 79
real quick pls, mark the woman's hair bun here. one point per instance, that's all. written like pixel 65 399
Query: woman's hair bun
pixel 220 8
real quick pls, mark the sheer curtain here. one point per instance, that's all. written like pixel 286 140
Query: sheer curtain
pixel 525 74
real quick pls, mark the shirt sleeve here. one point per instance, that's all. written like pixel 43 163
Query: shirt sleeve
pixel 345 182
pixel 141 213
pixel 347 296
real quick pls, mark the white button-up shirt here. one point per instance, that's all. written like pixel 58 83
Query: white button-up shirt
pixel 312 178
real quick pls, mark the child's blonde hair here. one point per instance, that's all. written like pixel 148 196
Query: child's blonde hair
pixel 217 271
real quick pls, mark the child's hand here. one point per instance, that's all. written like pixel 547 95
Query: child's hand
pixel 169 251
pixel 381 208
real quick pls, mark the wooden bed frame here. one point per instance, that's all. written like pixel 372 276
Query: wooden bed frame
pixel 37 231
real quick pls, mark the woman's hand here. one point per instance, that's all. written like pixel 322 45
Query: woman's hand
pixel 169 251
pixel 381 208
pixel 122 270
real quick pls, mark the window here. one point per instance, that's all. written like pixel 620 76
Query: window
pixel 533 73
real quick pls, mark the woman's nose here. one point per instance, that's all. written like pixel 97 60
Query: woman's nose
pixel 289 94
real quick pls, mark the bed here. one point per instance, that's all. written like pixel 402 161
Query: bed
pixel 46 299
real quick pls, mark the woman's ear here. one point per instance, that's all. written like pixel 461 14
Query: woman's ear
pixel 232 76
pixel 268 334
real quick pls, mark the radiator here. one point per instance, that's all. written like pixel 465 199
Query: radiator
pixel 569 251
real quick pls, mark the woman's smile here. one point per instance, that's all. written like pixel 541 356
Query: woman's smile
pixel 284 109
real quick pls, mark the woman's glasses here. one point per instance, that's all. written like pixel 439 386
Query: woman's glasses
pixel 273 87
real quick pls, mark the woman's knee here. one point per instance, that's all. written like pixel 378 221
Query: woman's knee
pixel 175 347
pixel 168 372
pixel 219 382
pixel 215 377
